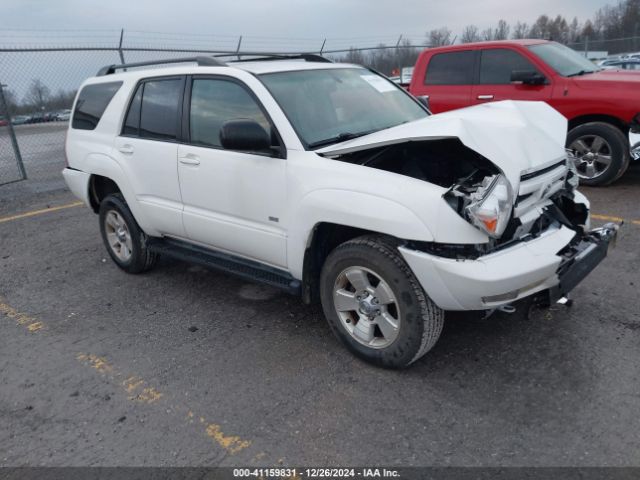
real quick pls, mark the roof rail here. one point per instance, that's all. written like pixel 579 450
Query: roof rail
pixel 262 56
pixel 201 61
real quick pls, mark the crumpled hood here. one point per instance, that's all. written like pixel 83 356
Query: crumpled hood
pixel 516 136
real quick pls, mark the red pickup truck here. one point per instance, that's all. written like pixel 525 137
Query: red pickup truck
pixel 602 106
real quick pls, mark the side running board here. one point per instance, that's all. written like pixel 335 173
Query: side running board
pixel 225 262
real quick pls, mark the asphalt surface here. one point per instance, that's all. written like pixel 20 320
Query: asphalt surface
pixel 184 366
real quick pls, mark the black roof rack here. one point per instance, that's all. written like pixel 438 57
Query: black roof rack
pixel 201 61
pixel 262 56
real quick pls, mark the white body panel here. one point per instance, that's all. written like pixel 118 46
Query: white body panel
pixel 266 208
pixel 526 268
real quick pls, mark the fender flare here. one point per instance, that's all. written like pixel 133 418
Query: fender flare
pixel 352 209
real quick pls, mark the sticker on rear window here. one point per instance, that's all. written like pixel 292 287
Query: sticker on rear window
pixel 379 83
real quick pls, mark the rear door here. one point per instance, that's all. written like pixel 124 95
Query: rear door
pixel 147 150
pixel 448 80
pixel 494 77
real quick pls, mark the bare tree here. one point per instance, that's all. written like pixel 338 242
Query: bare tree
pixel 487 34
pixel 502 31
pixel 470 34
pixel 438 37
pixel 38 94
pixel 521 30
pixel 11 102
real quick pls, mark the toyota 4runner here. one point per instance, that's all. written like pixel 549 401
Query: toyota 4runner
pixel 331 182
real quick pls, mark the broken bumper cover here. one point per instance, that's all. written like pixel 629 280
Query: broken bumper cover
pixel 552 263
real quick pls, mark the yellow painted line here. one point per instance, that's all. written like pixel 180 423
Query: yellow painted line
pixel 33 213
pixel 610 218
pixel 138 390
pixel 20 318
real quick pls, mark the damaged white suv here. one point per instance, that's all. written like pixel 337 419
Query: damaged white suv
pixel 329 181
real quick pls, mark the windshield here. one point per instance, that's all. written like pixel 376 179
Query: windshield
pixel 563 60
pixel 332 105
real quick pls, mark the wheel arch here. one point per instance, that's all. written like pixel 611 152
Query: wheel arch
pixel 324 237
pixel 99 187
pixel 590 118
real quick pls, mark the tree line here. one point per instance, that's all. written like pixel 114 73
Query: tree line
pixel 619 21
pixel 38 99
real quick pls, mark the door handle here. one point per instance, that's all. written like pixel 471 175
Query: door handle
pixel 126 149
pixel 485 97
pixel 190 159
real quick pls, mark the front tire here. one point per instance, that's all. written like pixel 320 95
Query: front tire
pixel 122 237
pixel 375 305
pixel 601 152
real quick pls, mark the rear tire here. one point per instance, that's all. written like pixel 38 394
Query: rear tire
pixel 602 152
pixel 122 237
pixel 375 305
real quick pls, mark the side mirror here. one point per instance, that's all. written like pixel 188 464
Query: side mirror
pixel 527 77
pixel 244 135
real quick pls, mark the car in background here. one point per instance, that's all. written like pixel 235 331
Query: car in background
pixel 19 119
pixel 602 106
pixel 628 64
pixel 63 115
pixel 3 122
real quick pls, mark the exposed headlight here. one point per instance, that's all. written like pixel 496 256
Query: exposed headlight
pixel 491 205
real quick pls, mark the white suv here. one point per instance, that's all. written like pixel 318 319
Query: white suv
pixel 333 183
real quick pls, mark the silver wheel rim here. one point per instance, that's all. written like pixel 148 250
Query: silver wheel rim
pixel 592 155
pixel 118 236
pixel 367 307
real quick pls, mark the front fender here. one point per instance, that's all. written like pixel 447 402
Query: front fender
pixel 353 209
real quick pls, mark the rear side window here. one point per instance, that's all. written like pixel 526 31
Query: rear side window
pixel 454 68
pixel 91 104
pixel 161 101
pixel 497 64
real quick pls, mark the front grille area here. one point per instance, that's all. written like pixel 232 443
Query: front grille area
pixel 539 185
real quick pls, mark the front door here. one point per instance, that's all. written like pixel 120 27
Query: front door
pixel 494 81
pixel 234 201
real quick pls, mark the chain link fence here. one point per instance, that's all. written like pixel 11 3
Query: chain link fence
pixel 41 71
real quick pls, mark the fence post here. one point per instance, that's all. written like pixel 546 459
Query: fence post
pixel 398 61
pixel 120 52
pixel 323 44
pixel 12 134
pixel 238 48
pixel 586 47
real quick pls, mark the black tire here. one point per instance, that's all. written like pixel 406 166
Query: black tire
pixel 141 258
pixel 420 320
pixel 619 146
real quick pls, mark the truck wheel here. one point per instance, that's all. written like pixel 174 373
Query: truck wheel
pixel 375 305
pixel 601 152
pixel 125 242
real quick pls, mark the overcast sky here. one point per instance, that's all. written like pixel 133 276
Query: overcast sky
pixel 283 18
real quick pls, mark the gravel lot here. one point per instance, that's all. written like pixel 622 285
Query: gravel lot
pixel 184 366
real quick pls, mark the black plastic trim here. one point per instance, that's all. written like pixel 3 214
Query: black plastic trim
pixel 225 262
pixel 202 61
pixel 542 171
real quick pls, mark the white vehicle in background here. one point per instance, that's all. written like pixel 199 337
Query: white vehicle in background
pixel 333 183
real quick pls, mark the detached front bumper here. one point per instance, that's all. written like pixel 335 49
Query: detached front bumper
pixel 553 262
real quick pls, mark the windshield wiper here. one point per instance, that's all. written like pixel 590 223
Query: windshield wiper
pixel 580 73
pixel 341 137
